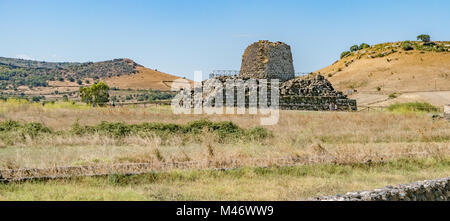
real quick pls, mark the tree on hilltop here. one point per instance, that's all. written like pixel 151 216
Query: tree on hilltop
pixel 424 38
pixel 354 48
pixel 364 45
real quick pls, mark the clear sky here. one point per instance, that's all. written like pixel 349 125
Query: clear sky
pixel 180 37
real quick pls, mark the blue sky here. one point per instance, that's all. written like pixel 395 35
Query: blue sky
pixel 180 37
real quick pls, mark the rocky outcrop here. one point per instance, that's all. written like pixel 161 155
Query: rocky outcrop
pixel 268 60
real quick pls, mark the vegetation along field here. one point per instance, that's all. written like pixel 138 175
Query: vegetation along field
pixel 333 152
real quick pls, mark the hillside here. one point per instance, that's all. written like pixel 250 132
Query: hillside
pixel 120 73
pixel 408 71
pixel 143 79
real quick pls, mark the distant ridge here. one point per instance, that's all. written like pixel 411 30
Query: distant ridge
pixel 120 73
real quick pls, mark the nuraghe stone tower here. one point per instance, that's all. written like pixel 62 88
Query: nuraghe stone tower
pixel 268 60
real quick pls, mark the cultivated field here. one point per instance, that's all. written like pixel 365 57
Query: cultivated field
pixel 333 152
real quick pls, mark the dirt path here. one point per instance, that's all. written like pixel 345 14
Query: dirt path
pixel 437 98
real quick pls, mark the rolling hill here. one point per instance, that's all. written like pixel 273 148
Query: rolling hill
pixel 387 73
pixel 119 73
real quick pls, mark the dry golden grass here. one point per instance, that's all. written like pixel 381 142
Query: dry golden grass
pixel 284 183
pixel 315 137
pixel 399 72
pixel 328 145
pixel 144 79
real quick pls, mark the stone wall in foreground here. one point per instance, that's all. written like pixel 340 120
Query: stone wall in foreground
pixel 429 190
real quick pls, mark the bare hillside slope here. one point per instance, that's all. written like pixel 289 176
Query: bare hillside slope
pixel 386 69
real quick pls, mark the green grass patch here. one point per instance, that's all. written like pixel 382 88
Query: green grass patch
pixel 412 107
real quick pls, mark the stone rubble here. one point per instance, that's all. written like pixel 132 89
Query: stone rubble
pixel 428 190
pixel 310 86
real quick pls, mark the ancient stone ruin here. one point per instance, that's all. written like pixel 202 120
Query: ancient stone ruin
pixel 268 60
pixel 313 92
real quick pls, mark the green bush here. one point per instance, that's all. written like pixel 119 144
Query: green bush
pixel 354 48
pixel 364 45
pixel 31 129
pixel 392 96
pixel 224 130
pixel 36 98
pixel 345 54
pixel 407 46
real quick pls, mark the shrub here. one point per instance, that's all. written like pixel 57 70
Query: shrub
pixel 364 45
pixel 36 99
pixel 407 46
pixel 65 98
pixel 354 48
pixel 345 54
pixel 223 130
pixel 392 96
pixel 31 129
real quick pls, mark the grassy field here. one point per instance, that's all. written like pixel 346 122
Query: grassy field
pixel 278 183
pixel 412 145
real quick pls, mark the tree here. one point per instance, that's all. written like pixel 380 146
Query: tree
pixel 97 93
pixel 354 48
pixel 65 98
pixel 424 38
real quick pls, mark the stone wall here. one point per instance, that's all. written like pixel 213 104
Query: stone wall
pixel 268 60
pixel 295 102
pixel 316 95
pixel 429 190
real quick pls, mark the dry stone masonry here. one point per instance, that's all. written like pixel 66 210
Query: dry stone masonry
pixel 268 60
pixel 429 190
pixel 313 92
